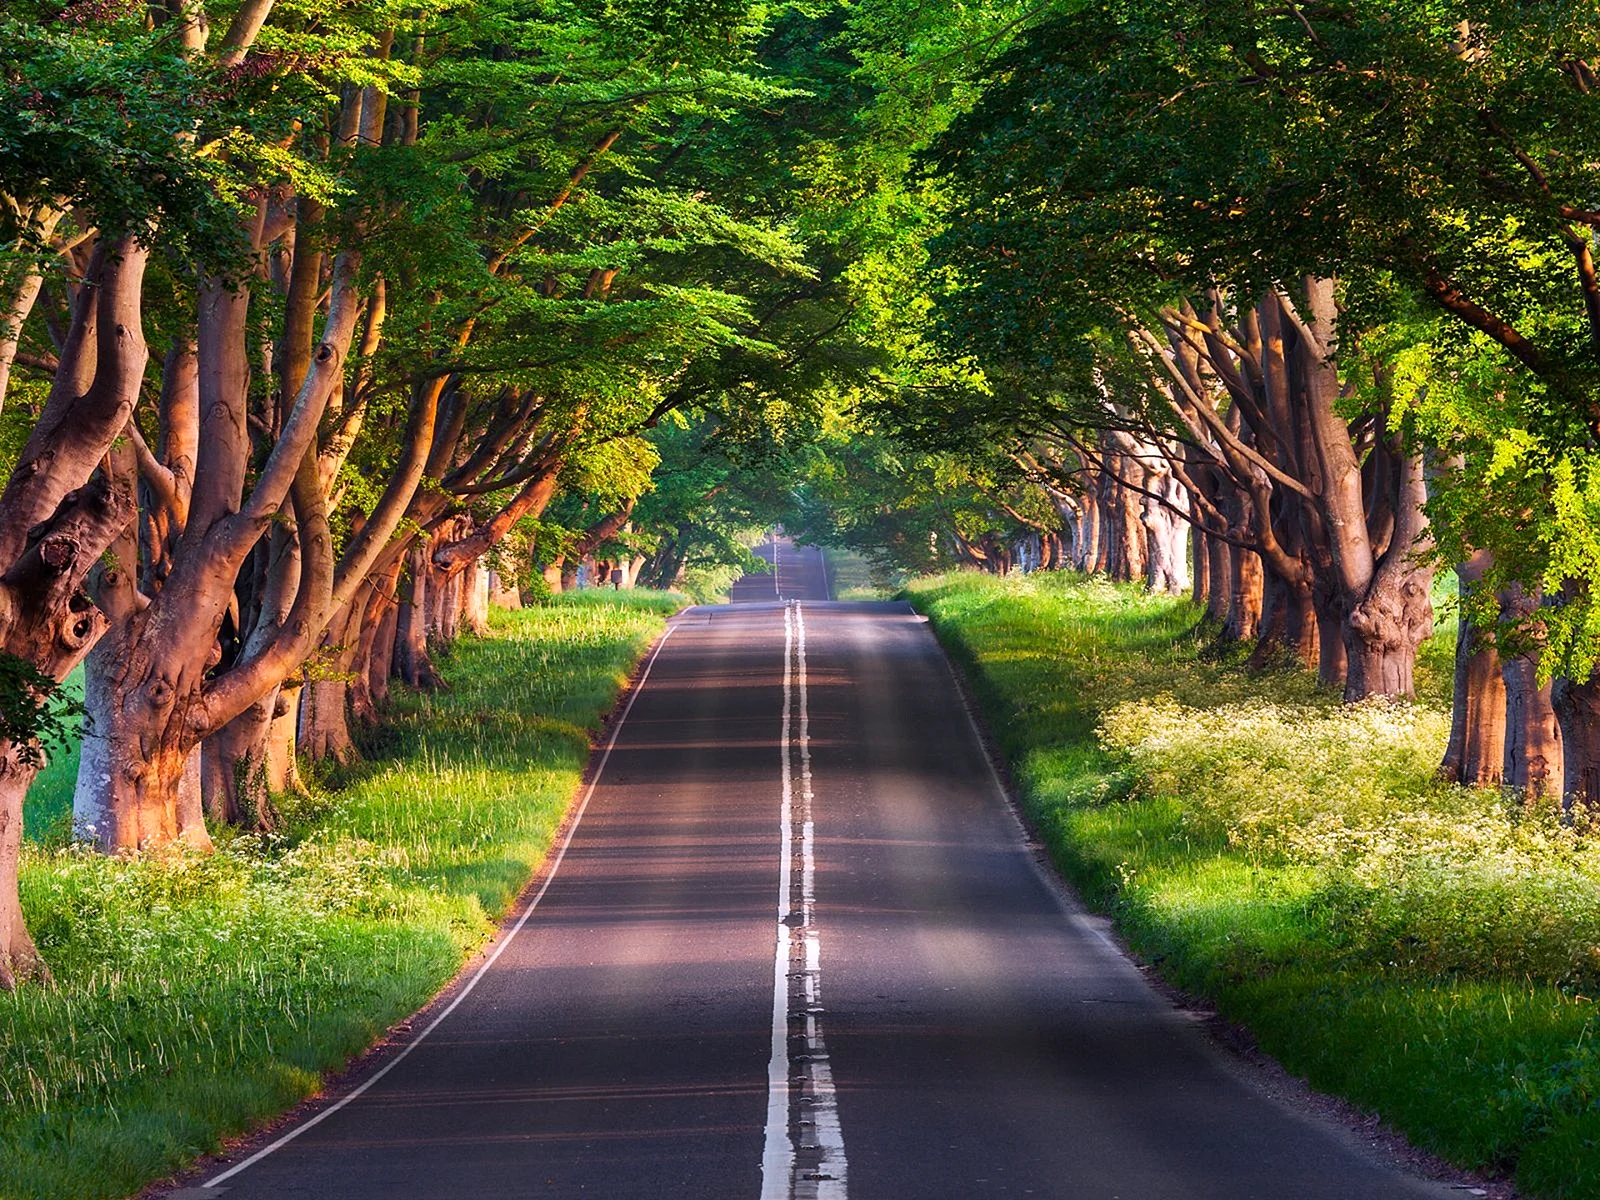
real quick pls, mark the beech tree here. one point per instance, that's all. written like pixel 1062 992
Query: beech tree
pixel 343 205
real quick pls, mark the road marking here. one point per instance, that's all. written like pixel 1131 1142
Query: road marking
pixel 803 1157
pixel 522 919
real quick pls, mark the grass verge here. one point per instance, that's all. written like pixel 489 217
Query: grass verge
pixel 198 995
pixel 1427 952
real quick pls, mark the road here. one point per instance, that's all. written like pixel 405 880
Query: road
pixel 797 946
pixel 796 574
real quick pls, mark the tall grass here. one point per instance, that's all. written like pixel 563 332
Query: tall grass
pixel 197 995
pixel 1427 951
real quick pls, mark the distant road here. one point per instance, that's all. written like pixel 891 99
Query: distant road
pixel 798 947
pixel 801 574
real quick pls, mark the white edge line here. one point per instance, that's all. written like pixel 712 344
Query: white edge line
pixel 555 865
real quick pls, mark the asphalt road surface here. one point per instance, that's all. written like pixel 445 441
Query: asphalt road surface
pixel 798 947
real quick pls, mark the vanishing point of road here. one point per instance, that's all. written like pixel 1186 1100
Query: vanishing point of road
pixel 798 947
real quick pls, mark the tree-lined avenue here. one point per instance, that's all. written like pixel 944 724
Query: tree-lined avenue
pixel 985 1038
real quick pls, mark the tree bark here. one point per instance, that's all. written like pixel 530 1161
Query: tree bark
pixel 1245 589
pixel 475 590
pixel 1577 709
pixel 1274 627
pixel 1382 635
pixel 503 591
pixel 1166 535
pixel 1219 580
pixel 241 767
pixel 412 663
pixel 233 770
pixel 1128 559
pixel 1476 754
pixel 1200 557
pixel 19 957
pixel 22 288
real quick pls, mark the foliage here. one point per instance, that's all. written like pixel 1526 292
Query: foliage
pixel 1438 160
pixel 36 713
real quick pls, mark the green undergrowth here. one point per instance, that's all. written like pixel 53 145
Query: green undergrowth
pixel 197 995
pixel 1429 952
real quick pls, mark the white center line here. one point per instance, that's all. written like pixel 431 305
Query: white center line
pixel 803 1158
pixel 777 1156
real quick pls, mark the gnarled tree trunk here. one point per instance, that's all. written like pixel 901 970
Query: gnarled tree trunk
pixel 1382 635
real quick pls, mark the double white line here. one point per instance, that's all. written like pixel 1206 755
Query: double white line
pixel 804 1154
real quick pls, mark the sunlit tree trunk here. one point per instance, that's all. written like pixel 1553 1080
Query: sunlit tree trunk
pixel 1476 752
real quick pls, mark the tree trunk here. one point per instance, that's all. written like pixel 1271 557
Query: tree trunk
pixel 503 592
pixel 1130 550
pixel 1577 708
pixel 1166 537
pixel 446 606
pixel 233 769
pixel 108 770
pixel 1244 596
pixel 1200 557
pixel 1476 752
pixel 324 723
pixel 372 657
pixel 1273 631
pixel 1289 627
pixel 1329 618
pixel 1086 542
pixel 1383 632
pixel 381 664
pixel 475 590
pixel 283 740
pixel 1303 638
pixel 59 514
pixel 324 726
pixel 1533 761
pixel 19 957
pixel 412 663
pixel 1219 580
pixel 241 765
pixel 131 771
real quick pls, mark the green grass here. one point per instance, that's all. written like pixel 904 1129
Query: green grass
pixel 1428 952
pixel 198 995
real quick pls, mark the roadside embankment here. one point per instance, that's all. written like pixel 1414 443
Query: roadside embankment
pixel 197 995
pixel 1428 952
